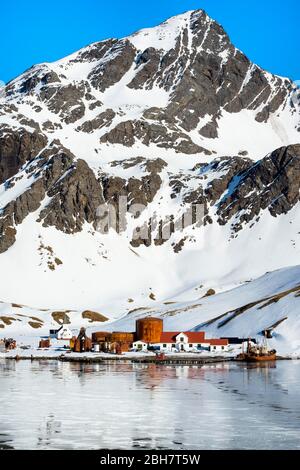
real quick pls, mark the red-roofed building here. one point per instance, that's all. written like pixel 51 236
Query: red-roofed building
pixel 189 341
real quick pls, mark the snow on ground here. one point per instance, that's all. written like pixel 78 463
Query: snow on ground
pixel 258 139
pixel 57 352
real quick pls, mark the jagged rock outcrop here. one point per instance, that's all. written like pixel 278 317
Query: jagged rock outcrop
pixel 116 62
pixel 17 146
pixel 46 170
pixel 75 199
pixel 128 133
pixel 225 169
pixel 273 183
pixel 102 120
pixel 137 193
pixel 67 101
pixel 72 186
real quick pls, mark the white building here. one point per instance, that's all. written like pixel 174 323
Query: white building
pixel 64 333
pixel 189 342
pixel 140 346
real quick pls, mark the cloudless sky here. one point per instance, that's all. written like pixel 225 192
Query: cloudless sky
pixel 34 31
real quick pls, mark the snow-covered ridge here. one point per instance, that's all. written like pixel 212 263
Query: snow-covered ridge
pixel 164 36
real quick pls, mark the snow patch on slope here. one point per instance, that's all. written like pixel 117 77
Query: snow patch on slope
pixel 163 36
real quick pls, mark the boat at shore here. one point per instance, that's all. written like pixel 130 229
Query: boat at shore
pixel 257 353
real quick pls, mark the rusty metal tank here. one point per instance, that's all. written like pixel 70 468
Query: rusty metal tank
pixel 122 336
pixel 149 329
pixel 101 336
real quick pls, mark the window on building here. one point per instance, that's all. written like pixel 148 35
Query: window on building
pixel 223 347
pixel 198 345
pixel 215 347
pixel 182 339
pixel 164 345
pixel 190 345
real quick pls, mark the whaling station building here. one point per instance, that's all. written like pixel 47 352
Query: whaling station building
pixel 149 334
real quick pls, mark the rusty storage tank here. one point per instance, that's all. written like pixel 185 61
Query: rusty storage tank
pixel 122 337
pixel 149 329
pixel 101 336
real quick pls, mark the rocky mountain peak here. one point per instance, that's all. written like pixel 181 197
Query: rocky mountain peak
pixel 169 118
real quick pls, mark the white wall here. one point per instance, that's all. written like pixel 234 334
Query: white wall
pixel 218 348
pixel 186 347
pixel 140 346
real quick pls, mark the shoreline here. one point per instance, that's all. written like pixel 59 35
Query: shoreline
pixel 184 360
pixel 132 359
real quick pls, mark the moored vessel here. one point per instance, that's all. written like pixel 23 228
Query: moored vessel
pixel 257 353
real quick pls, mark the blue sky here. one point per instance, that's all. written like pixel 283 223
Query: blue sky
pixel 35 31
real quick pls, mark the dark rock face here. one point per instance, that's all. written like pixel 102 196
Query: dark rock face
pixel 155 166
pixel 273 183
pixel 65 101
pixel 36 75
pixel 75 199
pixel 7 234
pixel 102 120
pixel 152 166
pixel 147 64
pixel 226 168
pixel 46 169
pixel 95 51
pixel 28 202
pixel 72 186
pixel 24 121
pixel 16 148
pixel 144 190
pixel 127 132
pixel 210 130
pixel 122 55
pixel 139 193
pixel 123 134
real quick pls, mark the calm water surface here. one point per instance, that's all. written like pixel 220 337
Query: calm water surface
pixel 53 405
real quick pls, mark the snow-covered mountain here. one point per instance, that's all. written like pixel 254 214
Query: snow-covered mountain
pixel 172 118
